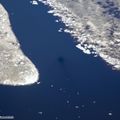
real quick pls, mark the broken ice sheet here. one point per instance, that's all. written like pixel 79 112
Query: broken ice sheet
pixel 15 68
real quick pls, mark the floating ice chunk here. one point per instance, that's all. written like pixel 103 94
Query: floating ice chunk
pixel 34 2
pixel 87 51
pixel 60 30
pixel 15 67
pixel 110 113
pixel 41 113
pixel 50 11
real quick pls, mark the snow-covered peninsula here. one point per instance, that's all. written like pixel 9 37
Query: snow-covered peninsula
pixel 15 68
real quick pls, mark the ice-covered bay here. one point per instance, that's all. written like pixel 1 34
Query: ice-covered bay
pixel 95 24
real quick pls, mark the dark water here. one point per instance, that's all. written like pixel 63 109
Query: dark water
pixel 69 78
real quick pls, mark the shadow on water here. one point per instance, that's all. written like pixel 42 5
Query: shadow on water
pixel 58 61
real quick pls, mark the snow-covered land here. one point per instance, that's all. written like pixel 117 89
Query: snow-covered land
pixel 15 67
pixel 95 24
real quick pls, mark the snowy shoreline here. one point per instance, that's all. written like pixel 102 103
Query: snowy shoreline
pixel 15 68
pixel 93 29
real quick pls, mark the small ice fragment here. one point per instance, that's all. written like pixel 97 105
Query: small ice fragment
pixel 56 20
pixel 38 82
pixel 68 102
pixel 110 113
pixel 94 102
pixel 60 30
pixel 78 93
pixel 76 106
pixel 51 86
pixel 40 113
pixel 82 106
pixel 34 2
pixel 50 11
pixel 60 89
